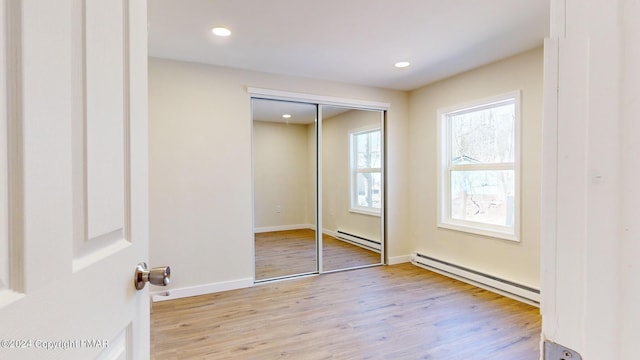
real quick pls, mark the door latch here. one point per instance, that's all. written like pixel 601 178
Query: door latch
pixel 553 351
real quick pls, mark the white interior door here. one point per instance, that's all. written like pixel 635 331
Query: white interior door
pixel 73 179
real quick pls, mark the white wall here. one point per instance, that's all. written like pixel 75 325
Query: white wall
pixel 281 178
pixel 200 167
pixel 516 261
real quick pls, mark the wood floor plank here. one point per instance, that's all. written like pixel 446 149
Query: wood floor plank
pixel 386 312
pixel 292 252
pixel 337 254
pixel 285 253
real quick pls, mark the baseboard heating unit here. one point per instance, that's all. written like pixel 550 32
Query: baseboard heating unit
pixel 358 240
pixel 492 283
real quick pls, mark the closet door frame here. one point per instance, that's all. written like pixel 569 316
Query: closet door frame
pixel 322 101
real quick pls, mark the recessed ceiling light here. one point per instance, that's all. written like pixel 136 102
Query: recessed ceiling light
pixel 221 31
pixel 402 64
pixel 286 116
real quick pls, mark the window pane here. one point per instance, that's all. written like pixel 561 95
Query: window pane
pixel 368 192
pixel 483 196
pixel 483 136
pixel 368 146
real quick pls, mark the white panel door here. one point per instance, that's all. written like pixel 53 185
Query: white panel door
pixel 73 179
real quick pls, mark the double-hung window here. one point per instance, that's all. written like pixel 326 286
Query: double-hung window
pixel 479 167
pixel 366 173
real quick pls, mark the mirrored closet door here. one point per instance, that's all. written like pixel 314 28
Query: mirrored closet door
pixel 318 182
pixel 284 183
pixel 352 188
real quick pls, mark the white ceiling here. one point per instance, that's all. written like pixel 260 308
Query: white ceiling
pixel 351 41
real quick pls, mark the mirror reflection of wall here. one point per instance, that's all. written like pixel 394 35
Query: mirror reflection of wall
pixel 284 163
pixel 352 188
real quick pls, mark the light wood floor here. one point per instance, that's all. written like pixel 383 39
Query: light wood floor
pixel 284 253
pixel 385 312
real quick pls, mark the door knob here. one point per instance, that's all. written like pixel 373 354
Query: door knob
pixel 157 276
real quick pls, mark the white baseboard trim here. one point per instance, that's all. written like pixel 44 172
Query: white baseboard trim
pixel 283 228
pixel 179 293
pixel 394 260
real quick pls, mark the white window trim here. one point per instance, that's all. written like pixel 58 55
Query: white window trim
pixel 352 174
pixel 443 183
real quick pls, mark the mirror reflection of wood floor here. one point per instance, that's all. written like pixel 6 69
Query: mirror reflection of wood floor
pixel 382 312
pixel 290 252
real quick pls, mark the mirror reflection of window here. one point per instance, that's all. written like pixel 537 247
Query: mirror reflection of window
pixel 366 170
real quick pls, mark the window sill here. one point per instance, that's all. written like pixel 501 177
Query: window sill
pixel 479 230
pixel 365 212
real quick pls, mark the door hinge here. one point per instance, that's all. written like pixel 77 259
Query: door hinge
pixel 553 351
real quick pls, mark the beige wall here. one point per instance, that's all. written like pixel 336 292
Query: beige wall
pixel 517 261
pixel 281 185
pixel 200 167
